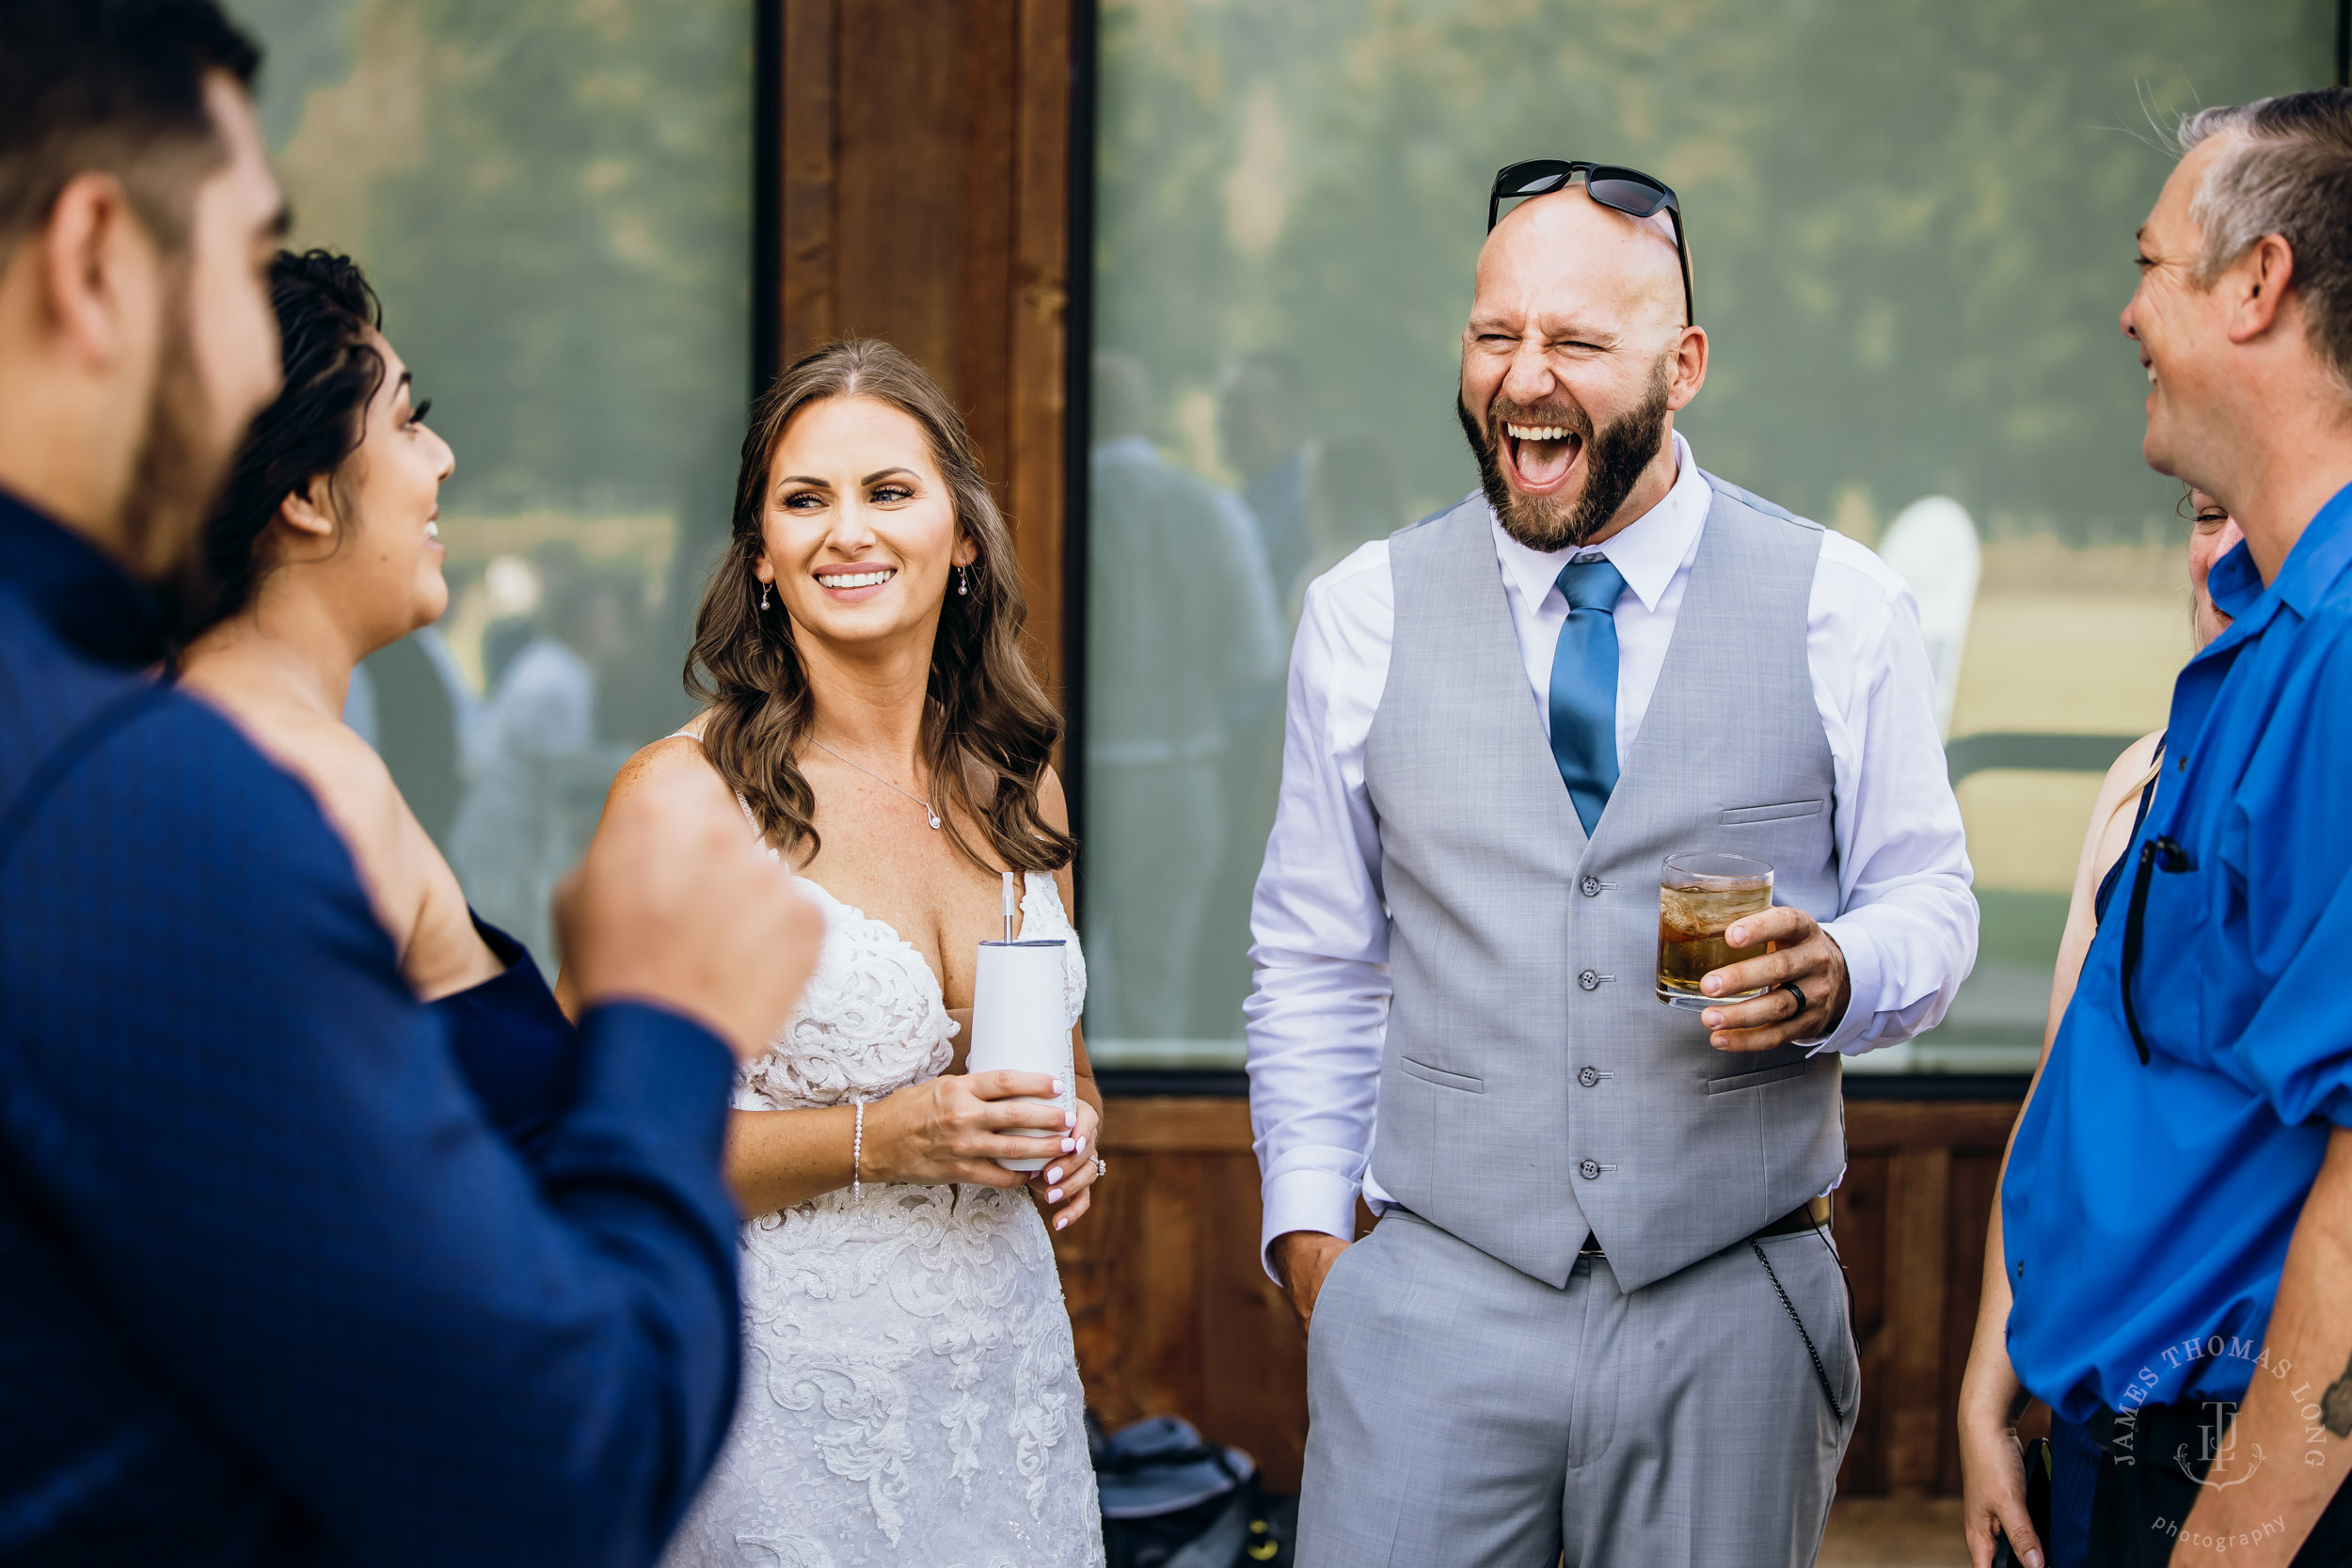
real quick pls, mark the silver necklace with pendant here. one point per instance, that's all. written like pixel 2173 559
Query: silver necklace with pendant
pixel 928 815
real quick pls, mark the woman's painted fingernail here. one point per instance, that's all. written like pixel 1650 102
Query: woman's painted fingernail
pixel 1081 1148
pixel 1060 1220
pixel 1058 1086
pixel 1054 1174
pixel 1052 1195
pixel 1070 1146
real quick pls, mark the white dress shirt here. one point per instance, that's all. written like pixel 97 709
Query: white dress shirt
pixel 1906 921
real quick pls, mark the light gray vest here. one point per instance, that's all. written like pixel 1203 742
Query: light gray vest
pixel 1532 1087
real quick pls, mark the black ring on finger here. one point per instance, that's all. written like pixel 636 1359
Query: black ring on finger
pixel 1798 991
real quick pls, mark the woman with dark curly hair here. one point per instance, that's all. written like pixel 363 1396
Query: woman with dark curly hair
pixel 910 1390
pixel 324 549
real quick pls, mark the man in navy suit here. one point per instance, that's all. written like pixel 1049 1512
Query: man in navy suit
pixel 270 1290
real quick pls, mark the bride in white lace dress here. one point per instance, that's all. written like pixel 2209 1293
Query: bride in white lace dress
pixel 910 1394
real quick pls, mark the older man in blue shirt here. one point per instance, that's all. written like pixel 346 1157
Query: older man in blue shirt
pixel 271 1290
pixel 2177 1213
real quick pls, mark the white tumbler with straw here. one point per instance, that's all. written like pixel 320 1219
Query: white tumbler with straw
pixel 1018 1023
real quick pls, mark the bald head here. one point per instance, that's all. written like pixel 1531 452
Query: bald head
pixel 1564 250
pixel 1575 359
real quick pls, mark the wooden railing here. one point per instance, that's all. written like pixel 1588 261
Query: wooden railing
pixel 1174 1316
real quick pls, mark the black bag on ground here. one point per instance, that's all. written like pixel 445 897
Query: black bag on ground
pixel 1170 1500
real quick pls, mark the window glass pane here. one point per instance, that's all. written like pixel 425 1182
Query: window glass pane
pixel 1912 230
pixel 554 198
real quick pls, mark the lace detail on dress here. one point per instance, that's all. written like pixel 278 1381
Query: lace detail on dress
pixel 910 1389
pixel 870 1022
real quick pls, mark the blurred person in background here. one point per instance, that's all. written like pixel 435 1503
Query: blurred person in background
pixel 1992 1474
pixel 423 709
pixel 1352 498
pixel 276 1292
pixel 626 666
pixel 536 771
pixel 1183 648
pixel 859 646
pixel 638 694
pixel 324 550
pixel 414 703
pixel 2176 1216
pixel 1262 432
pixel 515 596
pixel 1262 421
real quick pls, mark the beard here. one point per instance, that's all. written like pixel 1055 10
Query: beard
pixel 1615 455
pixel 177 473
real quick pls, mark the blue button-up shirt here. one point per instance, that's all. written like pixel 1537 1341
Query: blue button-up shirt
pixel 271 1290
pixel 2147 1211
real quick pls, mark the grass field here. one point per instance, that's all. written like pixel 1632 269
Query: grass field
pixel 2088 663
pixel 2064 642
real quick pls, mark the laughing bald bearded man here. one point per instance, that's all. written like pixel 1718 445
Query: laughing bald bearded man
pixel 1600 1316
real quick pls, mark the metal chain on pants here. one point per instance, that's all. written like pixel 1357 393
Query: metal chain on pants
pixel 1819 1371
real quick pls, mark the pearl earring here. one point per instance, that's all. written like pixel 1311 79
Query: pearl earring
pixel 763 595
pixel 963 580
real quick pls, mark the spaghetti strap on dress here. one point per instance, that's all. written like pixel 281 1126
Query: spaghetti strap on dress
pixel 2105 893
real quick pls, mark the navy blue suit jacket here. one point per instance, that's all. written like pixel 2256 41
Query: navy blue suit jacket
pixel 270 1290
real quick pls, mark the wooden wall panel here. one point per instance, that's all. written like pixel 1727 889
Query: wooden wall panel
pixel 1910 1222
pixel 1038 398
pixel 1173 1315
pixel 1860 1225
pixel 809 167
pixel 1976 1178
pixel 924 198
pixel 1918 1202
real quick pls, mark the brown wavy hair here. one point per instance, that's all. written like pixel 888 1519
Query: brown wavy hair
pixel 988 728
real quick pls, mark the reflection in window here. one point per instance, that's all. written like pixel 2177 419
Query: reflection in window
pixel 1910 227
pixel 1182 758
pixel 553 199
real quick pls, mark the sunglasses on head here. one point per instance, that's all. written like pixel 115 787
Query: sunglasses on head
pixel 1625 190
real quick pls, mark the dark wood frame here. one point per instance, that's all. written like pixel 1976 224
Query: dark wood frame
pixel 925 174
pixel 963 260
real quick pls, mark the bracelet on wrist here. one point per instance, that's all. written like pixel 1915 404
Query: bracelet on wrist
pixel 857 1155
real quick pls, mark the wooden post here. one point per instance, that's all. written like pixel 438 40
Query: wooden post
pixel 1918 1204
pixel 924 198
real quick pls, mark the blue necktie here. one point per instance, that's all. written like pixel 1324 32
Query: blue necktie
pixel 1584 686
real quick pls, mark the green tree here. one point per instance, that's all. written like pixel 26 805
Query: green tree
pixel 554 198
pixel 1911 219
